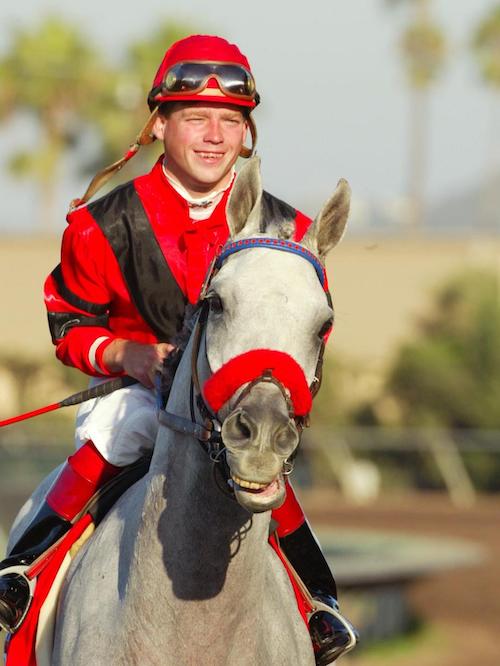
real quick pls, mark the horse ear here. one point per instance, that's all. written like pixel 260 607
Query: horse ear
pixel 244 206
pixel 328 227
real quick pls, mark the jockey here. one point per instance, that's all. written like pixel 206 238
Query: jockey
pixel 130 264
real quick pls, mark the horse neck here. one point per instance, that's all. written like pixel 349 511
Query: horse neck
pixel 205 541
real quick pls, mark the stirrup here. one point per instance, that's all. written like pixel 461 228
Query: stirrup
pixel 333 654
pixel 19 570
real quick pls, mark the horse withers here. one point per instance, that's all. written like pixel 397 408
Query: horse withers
pixel 179 572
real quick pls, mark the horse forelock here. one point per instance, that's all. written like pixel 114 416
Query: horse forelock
pixel 277 217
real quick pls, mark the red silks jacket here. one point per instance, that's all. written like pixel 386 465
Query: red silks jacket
pixel 130 263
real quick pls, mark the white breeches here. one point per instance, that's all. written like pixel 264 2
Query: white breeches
pixel 122 425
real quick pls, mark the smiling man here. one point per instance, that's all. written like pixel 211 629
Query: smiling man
pixel 202 142
pixel 130 264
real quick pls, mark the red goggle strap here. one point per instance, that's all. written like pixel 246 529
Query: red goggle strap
pixel 248 152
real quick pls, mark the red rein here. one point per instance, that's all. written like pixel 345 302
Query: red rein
pixel 241 369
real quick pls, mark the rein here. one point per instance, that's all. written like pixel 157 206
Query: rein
pixel 208 434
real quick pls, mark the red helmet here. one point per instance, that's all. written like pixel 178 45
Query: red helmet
pixel 204 68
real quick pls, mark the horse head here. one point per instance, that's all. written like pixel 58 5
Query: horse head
pixel 268 315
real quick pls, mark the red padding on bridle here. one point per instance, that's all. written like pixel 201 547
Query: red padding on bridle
pixel 241 369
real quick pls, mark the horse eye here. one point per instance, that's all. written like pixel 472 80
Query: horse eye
pixel 325 328
pixel 215 303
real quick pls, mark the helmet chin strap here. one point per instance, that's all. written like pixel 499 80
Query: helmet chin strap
pixel 248 152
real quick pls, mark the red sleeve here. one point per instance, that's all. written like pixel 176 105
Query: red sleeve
pixel 77 296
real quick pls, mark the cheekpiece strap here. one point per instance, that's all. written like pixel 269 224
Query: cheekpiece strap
pixel 275 244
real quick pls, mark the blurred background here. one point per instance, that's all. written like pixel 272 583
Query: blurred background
pixel 400 472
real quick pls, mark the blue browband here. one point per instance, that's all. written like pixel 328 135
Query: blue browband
pixel 274 244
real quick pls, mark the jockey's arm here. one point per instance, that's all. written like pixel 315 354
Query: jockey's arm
pixel 79 301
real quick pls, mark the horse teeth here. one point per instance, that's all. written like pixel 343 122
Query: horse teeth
pixel 251 485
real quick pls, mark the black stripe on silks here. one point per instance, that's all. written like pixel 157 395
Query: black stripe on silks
pixel 151 284
pixel 305 556
pixel 73 299
pixel 275 210
pixel 61 322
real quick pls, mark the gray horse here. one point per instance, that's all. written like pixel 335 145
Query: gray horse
pixel 178 573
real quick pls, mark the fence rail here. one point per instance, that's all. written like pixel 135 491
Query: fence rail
pixel 362 462
pixel 366 462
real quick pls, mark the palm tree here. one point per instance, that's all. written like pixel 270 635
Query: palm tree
pixel 486 48
pixel 423 47
pixel 51 73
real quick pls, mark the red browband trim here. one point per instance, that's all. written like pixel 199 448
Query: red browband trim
pixel 241 369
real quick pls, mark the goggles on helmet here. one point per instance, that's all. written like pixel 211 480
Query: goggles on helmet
pixel 192 77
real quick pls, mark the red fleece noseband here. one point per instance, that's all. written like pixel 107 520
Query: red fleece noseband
pixel 241 369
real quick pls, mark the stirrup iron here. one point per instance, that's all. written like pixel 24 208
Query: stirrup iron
pixel 19 570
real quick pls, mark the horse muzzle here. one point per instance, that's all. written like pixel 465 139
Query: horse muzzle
pixel 264 395
pixel 259 436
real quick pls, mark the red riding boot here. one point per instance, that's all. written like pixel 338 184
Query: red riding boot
pixel 331 634
pixel 82 475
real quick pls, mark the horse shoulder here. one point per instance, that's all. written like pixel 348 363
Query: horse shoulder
pixel 90 620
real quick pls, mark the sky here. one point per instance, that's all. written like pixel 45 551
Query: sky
pixel 334 96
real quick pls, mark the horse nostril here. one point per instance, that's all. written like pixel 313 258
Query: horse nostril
pixel 243 427
pixel 237 429
pixel 286 439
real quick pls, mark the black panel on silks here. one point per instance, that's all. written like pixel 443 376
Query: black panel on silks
pixel 305 555
pixel 151 284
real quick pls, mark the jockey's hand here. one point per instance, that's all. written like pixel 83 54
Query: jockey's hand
pixel 137 360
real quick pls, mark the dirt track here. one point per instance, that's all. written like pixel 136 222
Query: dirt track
pixel 462 607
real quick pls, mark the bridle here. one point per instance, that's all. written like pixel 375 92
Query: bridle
pixel 208 434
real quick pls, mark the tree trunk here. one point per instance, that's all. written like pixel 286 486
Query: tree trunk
pixel 418 156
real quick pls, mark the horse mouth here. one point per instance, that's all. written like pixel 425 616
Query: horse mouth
pixel 258 496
